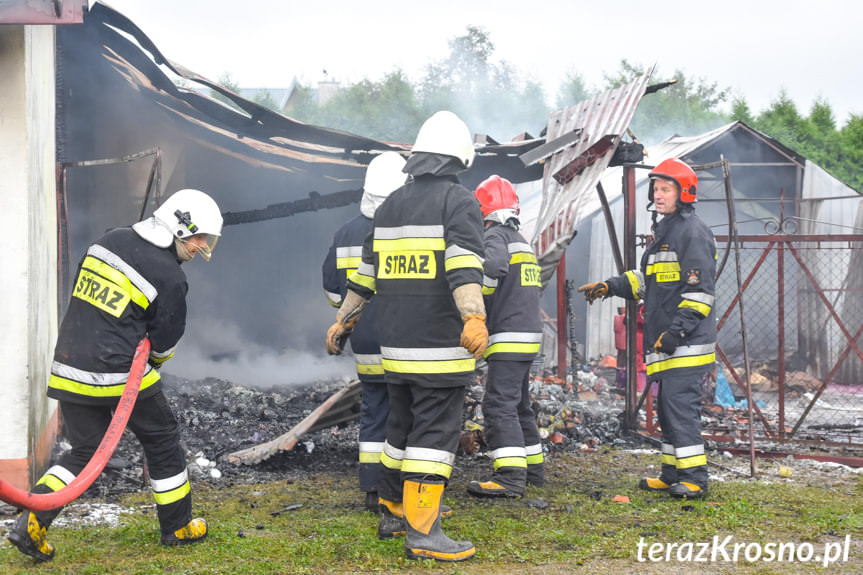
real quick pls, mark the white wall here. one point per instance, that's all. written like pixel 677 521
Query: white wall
pixel 28 242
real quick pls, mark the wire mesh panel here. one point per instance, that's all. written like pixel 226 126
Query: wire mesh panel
pixel 803 321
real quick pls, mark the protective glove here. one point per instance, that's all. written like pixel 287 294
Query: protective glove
pixel 474 334
pixel 338 334
pixel 666 343
pixel 594 291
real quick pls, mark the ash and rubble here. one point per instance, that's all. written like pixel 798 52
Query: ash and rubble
pixel 580 414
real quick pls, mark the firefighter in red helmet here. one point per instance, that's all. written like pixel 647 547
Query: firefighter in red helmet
pixel 676 282
pixel 511 286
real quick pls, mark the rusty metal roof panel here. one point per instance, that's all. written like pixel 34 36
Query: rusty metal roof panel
pixel 571 174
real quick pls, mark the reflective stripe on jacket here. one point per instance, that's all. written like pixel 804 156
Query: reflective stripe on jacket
pixel 125 289
pixel 426 241
pixel 676 281
pixel 511 285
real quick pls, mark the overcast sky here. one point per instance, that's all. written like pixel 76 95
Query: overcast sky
pixel 757 48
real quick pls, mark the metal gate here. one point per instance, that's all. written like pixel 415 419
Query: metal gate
pixel 803 321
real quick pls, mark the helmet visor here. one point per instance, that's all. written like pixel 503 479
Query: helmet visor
pixel 207 251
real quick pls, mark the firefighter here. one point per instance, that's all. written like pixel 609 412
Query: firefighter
pixel 676 281
pixel 511 286
pixel 383 175
pixel 128 286
pixel 423 263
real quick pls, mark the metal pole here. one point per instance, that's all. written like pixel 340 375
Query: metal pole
pixel 732 231
pixel 631 397
pixel 561 317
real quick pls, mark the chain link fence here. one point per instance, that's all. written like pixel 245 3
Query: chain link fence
pixel 802 302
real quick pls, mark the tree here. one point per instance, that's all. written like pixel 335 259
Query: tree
pixel 266 100
pixel 687 107
pixel 573 90
pixel 227 82
pixel 489 96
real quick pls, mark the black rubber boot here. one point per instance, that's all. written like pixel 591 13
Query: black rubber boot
pixel 491 489
pixel 192 532
pixel 686 490
pixel 425 539
pixel 392 523
pixel 28 535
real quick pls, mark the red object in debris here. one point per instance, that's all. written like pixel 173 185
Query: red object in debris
pixel 608 361
pixel 556 437
pixel 621 499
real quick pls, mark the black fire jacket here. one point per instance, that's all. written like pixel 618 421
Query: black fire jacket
pixel 343 258
pixel 511 286
pixel 125 289
pixel 676 281
pixel 426 241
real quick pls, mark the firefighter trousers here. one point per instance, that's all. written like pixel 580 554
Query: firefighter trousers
pixel 510 425
pixel 155 426
pixel 374 410
pixel 679 406
pixel 423 431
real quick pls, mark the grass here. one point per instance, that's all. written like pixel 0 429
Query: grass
pixel 581 528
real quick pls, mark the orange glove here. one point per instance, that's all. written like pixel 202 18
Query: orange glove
pixel 474 335
pixel 338 334
pixel 594 291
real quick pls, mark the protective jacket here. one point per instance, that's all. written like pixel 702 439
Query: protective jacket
pixel 676 281
pixel 343 258
pixel 125 289
pixel 511 286
pixel 426 241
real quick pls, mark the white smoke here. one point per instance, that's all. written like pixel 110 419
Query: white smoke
pixel 217 349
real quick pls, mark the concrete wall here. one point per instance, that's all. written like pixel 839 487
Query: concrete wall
pixel 28 244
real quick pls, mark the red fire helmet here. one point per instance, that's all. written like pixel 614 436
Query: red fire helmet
pixel 496 193
pixel 678 172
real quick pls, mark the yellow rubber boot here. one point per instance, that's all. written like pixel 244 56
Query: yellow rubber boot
pixel 192 532
pixel 29 536
pixel 425 538
pixel 653 484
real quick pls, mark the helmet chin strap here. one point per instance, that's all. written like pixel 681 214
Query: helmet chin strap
pixel 183 252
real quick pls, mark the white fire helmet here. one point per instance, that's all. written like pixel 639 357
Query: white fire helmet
pixel 445 133
pixel 384 175
pixel 185 214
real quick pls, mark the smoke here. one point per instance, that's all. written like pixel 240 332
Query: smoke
pixel 218 349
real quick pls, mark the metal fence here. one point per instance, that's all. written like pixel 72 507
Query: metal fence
pixel 803 332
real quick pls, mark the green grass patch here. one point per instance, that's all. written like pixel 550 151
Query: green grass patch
pixel 571 522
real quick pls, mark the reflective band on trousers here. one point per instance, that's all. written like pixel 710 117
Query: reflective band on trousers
pixel 427 460
pixel 171 489
pixel 391 457
pixel 534 454
pixel 509 457
pixel 56 478
pixel 370 451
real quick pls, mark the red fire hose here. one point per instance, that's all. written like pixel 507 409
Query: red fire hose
pixel 45 501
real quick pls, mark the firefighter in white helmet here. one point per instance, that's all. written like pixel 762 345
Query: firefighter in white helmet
pixel 423 264
pixel 128 286
pixel 383 175
pixel 676 281
pixel 511 286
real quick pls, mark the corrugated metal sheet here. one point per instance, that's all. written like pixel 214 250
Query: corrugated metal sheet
pixel 604 116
